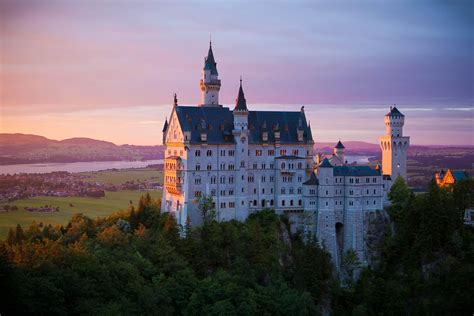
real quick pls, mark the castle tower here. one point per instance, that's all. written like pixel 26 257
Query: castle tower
pixel 210 83
pixel 240 133
pixel 394 145
pixel 339 152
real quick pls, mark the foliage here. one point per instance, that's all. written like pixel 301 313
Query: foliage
pixel 426 266
pixel 135 262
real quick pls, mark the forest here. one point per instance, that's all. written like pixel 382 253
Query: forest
pixel 136 262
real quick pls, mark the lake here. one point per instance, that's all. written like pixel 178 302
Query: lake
pixel 75 166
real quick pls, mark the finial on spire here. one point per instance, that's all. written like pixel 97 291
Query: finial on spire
pixel 302 109
pixel 175 100
pixel 210 40
pixel 241 80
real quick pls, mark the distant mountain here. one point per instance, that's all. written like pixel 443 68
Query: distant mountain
pixel 26 148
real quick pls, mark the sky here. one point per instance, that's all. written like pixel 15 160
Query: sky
pixel 108 69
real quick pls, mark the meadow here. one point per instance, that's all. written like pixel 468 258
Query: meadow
pixel 89 206
pixel 122 176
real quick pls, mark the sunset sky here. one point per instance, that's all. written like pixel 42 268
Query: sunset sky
pixel 108 69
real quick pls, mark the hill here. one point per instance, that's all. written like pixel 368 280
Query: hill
pixel 26 148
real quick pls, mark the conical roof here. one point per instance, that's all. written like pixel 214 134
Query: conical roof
pixel 241 103
pixel 339 145
pixel 210 63
pixel 394 112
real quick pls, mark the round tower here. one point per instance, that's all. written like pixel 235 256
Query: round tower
pixel 339 152
pixel 394 145
pixel 210 83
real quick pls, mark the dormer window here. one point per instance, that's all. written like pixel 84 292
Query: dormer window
pixel 277 135
pixel 300 135
pixel 203 137
pixel 265 136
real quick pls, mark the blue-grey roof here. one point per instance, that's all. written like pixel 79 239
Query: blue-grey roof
pixel 394 112
pixel 210 63
pixel 355 171
pixel 340 145
pixel 286 123
pixel 312 180
pixel 325 164
pixel 241 103
pixel 218 123
pixel 459 174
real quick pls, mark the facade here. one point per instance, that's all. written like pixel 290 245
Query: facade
pixel 249 160
pixel 448 178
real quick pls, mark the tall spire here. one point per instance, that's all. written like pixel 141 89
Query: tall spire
pixel 241 103
pixel 210 62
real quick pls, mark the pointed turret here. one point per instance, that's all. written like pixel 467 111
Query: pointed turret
pixel 240 102
pixel 165 126
pixel 339 145
pixel 210 83
pixel 209 61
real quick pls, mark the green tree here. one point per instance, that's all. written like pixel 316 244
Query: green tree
pixel 208 212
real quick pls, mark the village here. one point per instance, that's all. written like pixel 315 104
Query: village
pixel 63 184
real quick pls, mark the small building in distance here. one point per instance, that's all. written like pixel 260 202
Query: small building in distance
pixel 448 178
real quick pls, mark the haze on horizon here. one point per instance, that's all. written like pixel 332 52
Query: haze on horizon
pixel 108 70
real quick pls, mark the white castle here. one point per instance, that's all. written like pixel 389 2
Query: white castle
pixel 250 160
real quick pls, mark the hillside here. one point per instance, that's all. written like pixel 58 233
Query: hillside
pixel 25 148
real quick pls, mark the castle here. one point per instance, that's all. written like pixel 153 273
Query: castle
pixel 249 160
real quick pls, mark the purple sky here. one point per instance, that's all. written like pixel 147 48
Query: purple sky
pixel 85 68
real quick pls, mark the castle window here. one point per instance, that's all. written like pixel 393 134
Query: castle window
pixel 209 153
pixel 263 191
pixel 374 202
pixel 222 204
pixel 327 203
pixel 231 153
pixel 283 165
pixel 300 179
pixel 198 167
pixel 213 192
pixel 367 191
pixel 291 191
pixel 223 152
pixel 375 191
pixel 222 166
pixel 299 190
pixel 271 190
pixel 254 202
pixel 263 165
pixel 374 180
pixel 231 204
pixel 231 180
pixel 264 178
pixel 367 180
pixel 197 193
pixel 272 178
pixel 271 202
pixel 242 164
pixel 300 165
pixel 282 152
pixel 222 180
pixel 254 190
pixel 255 166
pixel 351 203
pixel 351 192
pixel 283 203
pixel 283 191
pixel 271 152
pixel 197 153
pixel 351 180
pixel 197 181
pixel 327 192
pixel 213 180
pixel 209 167
pixel 291 202
pixel 300 202
pixel 258 152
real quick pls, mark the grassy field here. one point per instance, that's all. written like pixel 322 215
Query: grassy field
pixel 92 207
pixel 122 176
